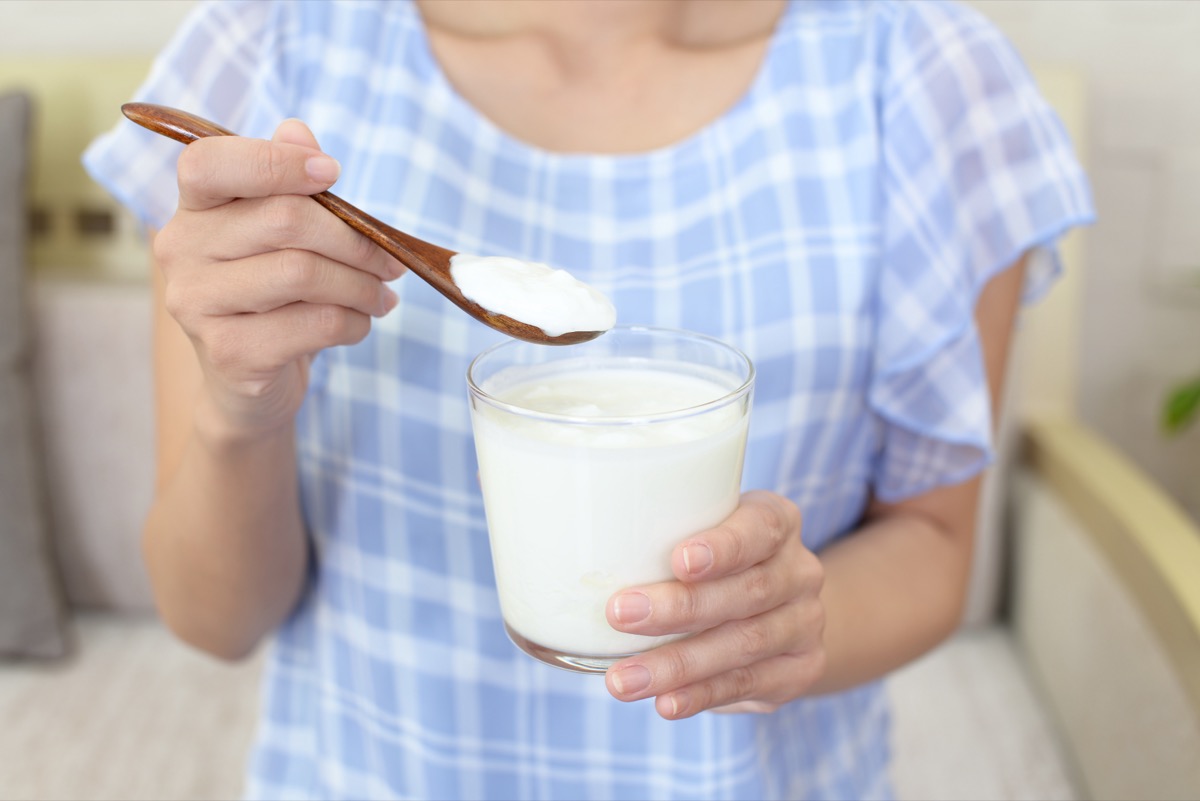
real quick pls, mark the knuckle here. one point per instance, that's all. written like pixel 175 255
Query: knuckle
pixel 165 245
pixel 330 320
pixel 807 571
pixel 677 667
pixel 362 251
pixel 270 165
pixel 340 325
pixel 741 684
pixel 287 217
pixel 176 300
pixel 777 515
pixel 753 640
pixel 298 270
pixel 771 516
pixel 757 586
pixel 732 542
pixel 687 605
pixel 224 351
pixel 775 519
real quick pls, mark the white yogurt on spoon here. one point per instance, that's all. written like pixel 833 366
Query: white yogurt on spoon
pixel 534 293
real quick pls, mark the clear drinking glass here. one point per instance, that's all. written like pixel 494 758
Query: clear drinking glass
pixel 596 460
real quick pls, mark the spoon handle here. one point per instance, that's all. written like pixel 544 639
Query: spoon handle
pixel 416 254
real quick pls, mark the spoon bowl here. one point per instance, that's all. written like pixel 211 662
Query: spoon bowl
pixel 426 260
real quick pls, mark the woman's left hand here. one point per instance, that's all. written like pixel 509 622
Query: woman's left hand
pixel 750 591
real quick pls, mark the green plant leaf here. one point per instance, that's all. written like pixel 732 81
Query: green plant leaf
pixel 1181 407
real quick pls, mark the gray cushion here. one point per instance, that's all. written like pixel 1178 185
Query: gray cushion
pixel 31 609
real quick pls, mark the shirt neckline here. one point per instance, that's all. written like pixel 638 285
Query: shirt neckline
pixel 691 145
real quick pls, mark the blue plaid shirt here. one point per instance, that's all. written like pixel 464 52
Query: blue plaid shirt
pixel 837 224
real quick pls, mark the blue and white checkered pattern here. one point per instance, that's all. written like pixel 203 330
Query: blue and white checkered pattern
pixel 837 224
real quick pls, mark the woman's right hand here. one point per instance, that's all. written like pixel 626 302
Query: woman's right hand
pixel 260 277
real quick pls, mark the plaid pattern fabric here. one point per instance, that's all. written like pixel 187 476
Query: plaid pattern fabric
pixel 837 224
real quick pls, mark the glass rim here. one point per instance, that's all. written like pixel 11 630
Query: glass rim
pixel 731 396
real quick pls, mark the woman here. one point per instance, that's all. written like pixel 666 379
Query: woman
pixel 849 192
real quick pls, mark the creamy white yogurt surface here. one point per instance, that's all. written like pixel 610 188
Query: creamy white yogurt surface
pixel 534 293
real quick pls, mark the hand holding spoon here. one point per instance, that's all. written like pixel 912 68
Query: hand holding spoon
pixel 428 261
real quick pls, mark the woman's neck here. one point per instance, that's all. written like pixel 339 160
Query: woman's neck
pixel 601 75
pixel 685 23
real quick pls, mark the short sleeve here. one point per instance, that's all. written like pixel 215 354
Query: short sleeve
pixel 225 64
pixel 978 170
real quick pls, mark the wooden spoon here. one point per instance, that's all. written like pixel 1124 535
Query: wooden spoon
pixel 428 261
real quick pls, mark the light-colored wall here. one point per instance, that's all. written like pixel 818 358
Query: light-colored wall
pixel 89 27
pixel 1140 321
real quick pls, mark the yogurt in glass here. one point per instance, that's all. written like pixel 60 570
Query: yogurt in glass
pixel 595 462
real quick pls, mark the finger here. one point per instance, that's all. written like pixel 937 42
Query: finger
pixel 249 344
pixel 294 132
pixel 272 280
pixel 674 607
pixel 732 645
pixel 761 687
pixel 760 525
pixel 217 169
pixel 253 226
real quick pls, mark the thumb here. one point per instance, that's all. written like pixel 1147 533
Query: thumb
pixel 294 132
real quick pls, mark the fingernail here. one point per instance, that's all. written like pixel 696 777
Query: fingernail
pixel 632 679
pixel 678 703
pixel 697 558
pixel 323 169
pixel 630 607
pixel 388 298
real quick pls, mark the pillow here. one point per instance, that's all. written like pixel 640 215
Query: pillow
pixel 31 606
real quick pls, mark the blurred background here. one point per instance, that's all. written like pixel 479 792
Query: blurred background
pixel 1077 670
